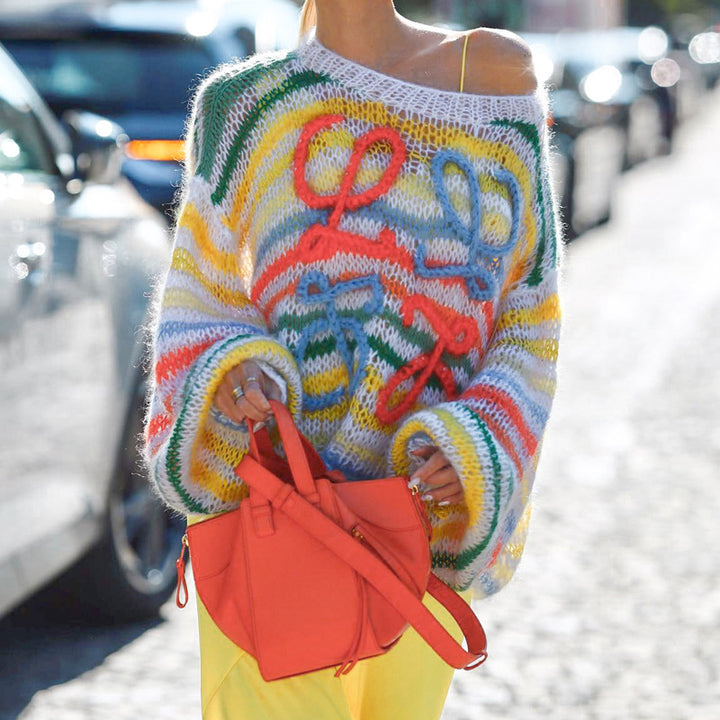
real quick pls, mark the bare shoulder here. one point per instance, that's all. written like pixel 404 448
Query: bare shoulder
pixel 499 62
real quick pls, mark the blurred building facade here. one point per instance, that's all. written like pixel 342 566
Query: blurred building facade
pixel 541 15
pixel 534 15
pixel 28 6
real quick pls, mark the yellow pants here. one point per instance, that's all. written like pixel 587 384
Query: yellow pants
pixel 408 683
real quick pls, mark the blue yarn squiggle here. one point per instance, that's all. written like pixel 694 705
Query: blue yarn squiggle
pixel 480 280
pixel 315 288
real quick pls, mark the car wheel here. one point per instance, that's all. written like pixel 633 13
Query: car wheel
pixel 130 573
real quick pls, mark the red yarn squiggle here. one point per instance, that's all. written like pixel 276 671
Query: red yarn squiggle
pixel 457 335
pixel 322 242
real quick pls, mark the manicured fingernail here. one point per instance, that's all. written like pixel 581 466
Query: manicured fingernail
pixel 427 497
pixel 414 482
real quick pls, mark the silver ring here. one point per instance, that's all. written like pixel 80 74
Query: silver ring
pixel 252 379
pixel 237 393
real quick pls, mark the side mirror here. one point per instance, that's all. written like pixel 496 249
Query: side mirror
pixel 98 146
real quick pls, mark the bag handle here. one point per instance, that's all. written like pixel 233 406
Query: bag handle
pixel 378 574
pixel 294 450
pixel 266 455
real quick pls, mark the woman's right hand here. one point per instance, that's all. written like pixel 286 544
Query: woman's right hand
pixel 244 393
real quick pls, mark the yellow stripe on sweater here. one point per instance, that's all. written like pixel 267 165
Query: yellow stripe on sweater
pixel 176 297
pixel 453 138
pixel 372 383
pixel 191 219
pixel 449 529
pixel 185 263
pixel 323 382
pixel 229 453
pixel 216 484
pixel 327 416
pixel 547 310
pixel 546 349
pixel 367 455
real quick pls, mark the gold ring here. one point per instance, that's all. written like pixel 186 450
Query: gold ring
pixel 237 393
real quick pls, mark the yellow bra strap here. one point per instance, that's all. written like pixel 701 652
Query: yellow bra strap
pixel 464 59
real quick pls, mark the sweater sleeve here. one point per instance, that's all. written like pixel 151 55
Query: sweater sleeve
pixel 492 432
pixel 205 324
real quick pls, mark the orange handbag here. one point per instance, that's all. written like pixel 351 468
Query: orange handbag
pixel 311 572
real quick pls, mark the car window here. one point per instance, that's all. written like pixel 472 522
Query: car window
pixel 113 74
pixel 22 146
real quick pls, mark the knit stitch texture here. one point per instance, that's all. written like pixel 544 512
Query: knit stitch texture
pixel 390 250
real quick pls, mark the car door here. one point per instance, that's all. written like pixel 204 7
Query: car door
pixel 58 361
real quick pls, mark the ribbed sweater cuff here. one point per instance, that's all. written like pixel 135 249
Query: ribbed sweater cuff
pixel 197 470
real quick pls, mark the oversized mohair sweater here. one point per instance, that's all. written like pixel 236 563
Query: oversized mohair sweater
pixel 389 253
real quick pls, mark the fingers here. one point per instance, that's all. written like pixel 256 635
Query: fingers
pixel 253 402
pixel 243 393
pixel 446 494
pixel 249 396
pixel 226 405
pixel 424 451
pixel 272 391
pixel 435 463
pixel 438 478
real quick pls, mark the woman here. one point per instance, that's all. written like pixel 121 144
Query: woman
pixel 367 234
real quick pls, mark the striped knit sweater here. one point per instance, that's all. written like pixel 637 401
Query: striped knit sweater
pixel 389 251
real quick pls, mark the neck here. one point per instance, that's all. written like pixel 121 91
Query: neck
pixel 369 32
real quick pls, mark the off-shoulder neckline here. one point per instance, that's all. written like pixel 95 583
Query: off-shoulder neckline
pixel 414 99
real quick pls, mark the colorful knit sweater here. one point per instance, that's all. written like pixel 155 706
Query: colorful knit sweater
pixel 389 250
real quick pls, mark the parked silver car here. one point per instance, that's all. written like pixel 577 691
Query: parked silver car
pixel 137 63
pixel 79 251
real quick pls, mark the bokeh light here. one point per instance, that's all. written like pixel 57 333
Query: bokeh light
pixel 653 44
pixel 666 72
pixel 705 48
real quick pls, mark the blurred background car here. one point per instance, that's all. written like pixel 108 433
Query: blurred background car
pixel 613 106
pixel 588 140
pixel 137 64
pixel 627 68
pixel 80 248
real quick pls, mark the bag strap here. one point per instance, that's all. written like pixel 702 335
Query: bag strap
pixel 284 498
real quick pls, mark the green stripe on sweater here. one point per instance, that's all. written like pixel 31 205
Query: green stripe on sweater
pixel 421 339
pixel 530 133
pixel 217 97
pixel 172 462
pixel 261 106
pixel 467 557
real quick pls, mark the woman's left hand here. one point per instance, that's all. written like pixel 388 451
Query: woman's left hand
pixel 437 478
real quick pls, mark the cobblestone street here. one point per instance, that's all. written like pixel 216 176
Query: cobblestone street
pixel 615 611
